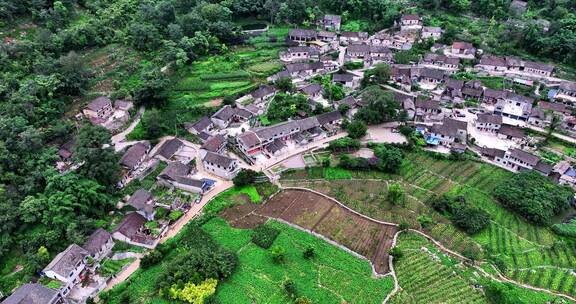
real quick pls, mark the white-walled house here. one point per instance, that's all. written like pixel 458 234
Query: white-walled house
pixel 220 165
pixel 67 267
pixel 99 244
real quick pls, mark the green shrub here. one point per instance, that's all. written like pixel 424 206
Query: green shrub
pixel 309 253
pixel 264 236
pixel 278 254
pixel 566 229
pixel 152 258
pixel 175 215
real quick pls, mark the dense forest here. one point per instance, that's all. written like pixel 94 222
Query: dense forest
pixel 43 78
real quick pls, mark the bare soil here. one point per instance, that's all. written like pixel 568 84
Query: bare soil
pixel 323 216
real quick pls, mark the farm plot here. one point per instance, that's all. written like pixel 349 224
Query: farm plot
pixel 323 216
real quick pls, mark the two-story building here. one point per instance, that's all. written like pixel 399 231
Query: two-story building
pixel 144 203
pixel 133 158
pixel 35 293
pixel 99 109
pixel 300 53
pixel 431 32
pixel 220 165
pixel 67 267
pixel 331 22
pixel 302 35
pixel 462 50
pixel 410 22
pixel 488 122
pixel 514 106
pixel 99 244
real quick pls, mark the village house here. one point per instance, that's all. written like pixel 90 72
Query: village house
pixel 35 293
pixel 131 230
pixel 67 267
pixel 349 102
pixel 327 36
pixel 133 158
pixel 441 61
pixel 518 7
pixel 567 92
pixel 402 76
pixel 462 50
pixel 177 175
pixel 123 105
pixel 357 51
pixel 488 122
pixel 144 203
pixel 220 165
pixel 431 32
pixel 353 37
pixel 472 90
pixel 427 109
pixel 512 133
pixel 263 93
pixel 228 115
pixel 253 142
pixel 556 108
pixel 347 80
pixel 519 160
pixel 529 67
pixel 203 125
pixel 407 103
pixel 300 53
pixel 302 35
pixel 514 106
pixel 450 131
pixel 99 109
pixel 280 75
pixel 304 70
pixel 492 96
pixel 169 148
pixel 331 22
pixel 567 173
pixel 492 154
pixel 381 54
pixel 491 63
pixel 410 22
pixel 453 90
pixel 99 244
pixel 314 91
pixel 214 144
pixel 431 76
pixel 539 117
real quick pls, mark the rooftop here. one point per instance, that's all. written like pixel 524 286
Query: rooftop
pixel 66 261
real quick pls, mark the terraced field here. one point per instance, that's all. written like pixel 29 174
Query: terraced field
pixel 530 254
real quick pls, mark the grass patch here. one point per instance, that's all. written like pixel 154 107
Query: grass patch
pixel 111 267
pixel 125 247
pixel 343 277
pixel 333 173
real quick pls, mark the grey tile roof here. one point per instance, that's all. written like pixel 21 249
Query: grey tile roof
pixel 568 86
pixel 494 93
pixel 249 139
pixel 462 45
pixel 225 113
pixel 65 262
pixel 361 35
pixel 99 103
pixel 449 127
pixel 218 159
pixel 191 182
pixel 543 167
pixel 214 143
pixel 302 33
pixel 32 294
pixel 489 118
pixel 432 73
pixel 539 66
pixel 427 104
pixel 313 88
pixel 493 61
pixel 329 117
pixel 96 240
pixel 169 148
pixel 342 77
pixel 410 17
pixel 358 48
pixel 524 156
pixel 134 154
pixel 556 107
pixel 174 170
pixel 131 224
pixel 307 123
pixel 432 29
pixel 201 125
pixel 139 199
pixel 512 131
pixel 492 152
pixel 454 84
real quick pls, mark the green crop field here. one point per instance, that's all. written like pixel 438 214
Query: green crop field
pixel 332 276
pixel 530 254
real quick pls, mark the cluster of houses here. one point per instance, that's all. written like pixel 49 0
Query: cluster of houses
pixel 101 111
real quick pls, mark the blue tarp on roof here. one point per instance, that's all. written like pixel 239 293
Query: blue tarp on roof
pixel 432 140
pixel 207 183
pixel 571 172
pixel 552 94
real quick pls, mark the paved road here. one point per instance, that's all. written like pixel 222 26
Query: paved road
pixel 119 140
pixel 557 135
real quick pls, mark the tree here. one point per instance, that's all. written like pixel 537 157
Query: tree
pixel 152 90
pixel 357 129
pixel 284 84
pixel 309 252
pixel 192 293
pixel 390 158
pixel 396 194
pixel 278 254
pixel 245 177
pixel 92 148
pixel 290 288
pixel 381 106
pixel 143 36
pixel 396 253
pixel 153 124
pixel 333 91
pixel 555 122
pixel 380 74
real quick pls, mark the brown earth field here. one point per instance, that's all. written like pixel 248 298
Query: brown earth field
pixel 323 216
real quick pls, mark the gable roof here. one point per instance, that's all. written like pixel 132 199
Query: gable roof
pixel 494 93
pixel 358 48
pixel 454 84
pixel 313 88
pixel 489 118
pixel 342 77
pixel 218 159
pixel 432 29
pixel 303 33
pixel 432 73
pixel 329 117
pixel 214 143
pixel 410 17
pixel 543 167
pixel 493 61
pixel 512 131
pixel 524 156
pixel 32 294
pixel 99 103
pixel 332 18
pixel 200 125
pixel 134 154
pixel 427 104
pixel 139 200
pixel 169 148
pixel 131 224
pixel 492 152
pixel 174 170
pixel 96 240
pixel 326 34
pixel 449 127
pixel 354 34
pixel 249 139
pixel 462 45
pixel 568 86
pixel 225 113
pixel 65 262
pixel 554 106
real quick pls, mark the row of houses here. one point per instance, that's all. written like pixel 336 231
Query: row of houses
pixel 506 64
pixel 271 140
